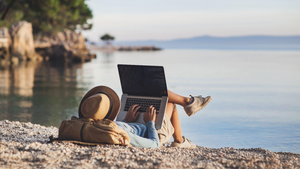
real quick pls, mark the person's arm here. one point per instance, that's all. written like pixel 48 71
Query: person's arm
pixel 152 132
pixel 151 142
pixel 149 118
pixel 132 113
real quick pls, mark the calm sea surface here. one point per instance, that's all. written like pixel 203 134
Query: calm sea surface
pixel 256 94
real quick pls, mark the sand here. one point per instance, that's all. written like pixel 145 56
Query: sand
pixel 24 145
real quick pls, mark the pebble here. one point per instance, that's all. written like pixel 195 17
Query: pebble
pixel 24 145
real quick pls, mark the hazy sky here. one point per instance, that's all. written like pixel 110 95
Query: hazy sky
pixel 171 19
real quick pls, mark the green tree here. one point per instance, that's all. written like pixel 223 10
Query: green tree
pixel 107 38
pixel 47 16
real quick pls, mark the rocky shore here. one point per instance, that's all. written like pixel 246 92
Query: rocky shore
pixel 18 44
pixel 24 145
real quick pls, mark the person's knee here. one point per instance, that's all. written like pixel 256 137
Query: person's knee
pixel 170 109
pixel 174 107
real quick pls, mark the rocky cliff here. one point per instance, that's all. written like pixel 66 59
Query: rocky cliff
pixel 22 46
pixel 18 44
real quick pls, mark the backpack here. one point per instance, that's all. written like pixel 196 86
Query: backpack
pixel 90 132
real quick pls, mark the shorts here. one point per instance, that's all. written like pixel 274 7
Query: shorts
pixel 166 131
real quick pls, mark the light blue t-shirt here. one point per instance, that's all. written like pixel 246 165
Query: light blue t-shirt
pixel 141 135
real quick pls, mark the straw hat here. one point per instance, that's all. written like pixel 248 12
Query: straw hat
pixel 101 102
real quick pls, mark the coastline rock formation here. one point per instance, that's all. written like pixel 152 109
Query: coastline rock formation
pixel 65 46
pixel 18 44
pixel 24 145
pixel 110 48
pixel 22 46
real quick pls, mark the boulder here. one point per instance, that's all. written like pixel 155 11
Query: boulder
pixel 73 39
pixel 22 41
pixel 65 46
pixel 64 53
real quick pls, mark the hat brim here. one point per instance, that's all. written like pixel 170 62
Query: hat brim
pixel 109 92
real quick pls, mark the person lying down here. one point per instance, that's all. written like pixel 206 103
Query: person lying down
pixel 102 102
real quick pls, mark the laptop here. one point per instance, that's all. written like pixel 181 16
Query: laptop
pixel 143 85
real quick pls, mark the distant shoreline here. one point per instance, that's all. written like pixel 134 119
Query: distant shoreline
pixel 123 48
pixel 25 145
pixel 225 43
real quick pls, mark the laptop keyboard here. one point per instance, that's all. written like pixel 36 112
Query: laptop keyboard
pixel 144 103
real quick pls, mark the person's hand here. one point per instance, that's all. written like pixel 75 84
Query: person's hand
pixel 150 114
pixel 132 113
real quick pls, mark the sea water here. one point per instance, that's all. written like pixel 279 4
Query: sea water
pixel 255 93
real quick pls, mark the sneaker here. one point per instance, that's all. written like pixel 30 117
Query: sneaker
pixel 186 143
pixel 198 104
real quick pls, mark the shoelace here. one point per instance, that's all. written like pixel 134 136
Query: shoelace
pixel 200 96
pixel 187 139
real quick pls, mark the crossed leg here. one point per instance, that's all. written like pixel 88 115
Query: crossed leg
pixel 178 99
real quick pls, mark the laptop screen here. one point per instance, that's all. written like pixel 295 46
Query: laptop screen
pixel 143 80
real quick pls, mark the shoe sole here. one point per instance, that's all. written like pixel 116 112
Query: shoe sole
pixel 175 146
pixel 209 99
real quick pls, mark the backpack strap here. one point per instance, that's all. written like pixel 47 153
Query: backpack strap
pixel 81 137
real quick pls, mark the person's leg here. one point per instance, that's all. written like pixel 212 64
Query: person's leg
pixel 191 105
pixel 172 127
pixel 178 99
pixel 172 113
